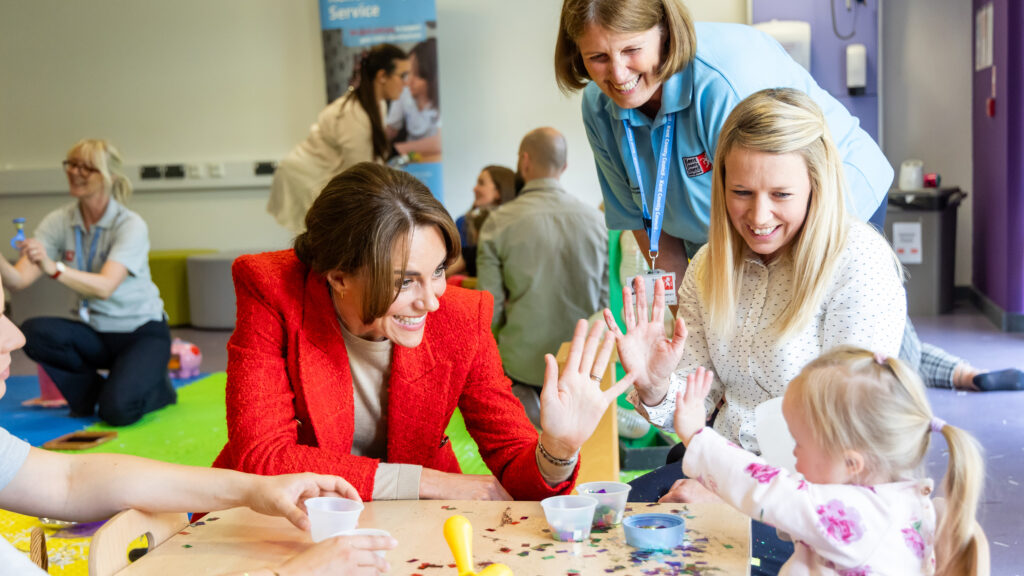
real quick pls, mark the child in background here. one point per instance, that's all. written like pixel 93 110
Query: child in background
pixel 862 426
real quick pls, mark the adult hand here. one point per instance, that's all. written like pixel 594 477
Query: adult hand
pixel 688 491
pixel 349 555
pixel 571 404
pixel 690 412
pixel 437 485
pixel 284 495
pixel 36 253
pixel 644 351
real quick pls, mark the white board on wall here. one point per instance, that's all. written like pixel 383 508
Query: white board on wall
pixel 189 80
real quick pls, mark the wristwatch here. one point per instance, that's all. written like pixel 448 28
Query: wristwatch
pixel 60 270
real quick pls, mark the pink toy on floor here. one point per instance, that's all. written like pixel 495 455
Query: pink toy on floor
pixel 185 359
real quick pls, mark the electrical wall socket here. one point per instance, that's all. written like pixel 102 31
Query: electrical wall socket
pixel 194 171
pixel 215 169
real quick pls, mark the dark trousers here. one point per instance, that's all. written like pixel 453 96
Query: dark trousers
pixel 71 353
pixel 765 543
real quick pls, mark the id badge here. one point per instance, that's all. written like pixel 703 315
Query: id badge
pixel 83 311
pixel 667 279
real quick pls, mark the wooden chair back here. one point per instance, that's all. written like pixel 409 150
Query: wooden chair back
pixel 108 551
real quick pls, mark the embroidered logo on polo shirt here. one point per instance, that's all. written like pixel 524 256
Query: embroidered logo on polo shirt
pixel 697 165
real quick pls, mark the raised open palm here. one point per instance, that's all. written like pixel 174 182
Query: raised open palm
pixel 644 350
pixel 571 404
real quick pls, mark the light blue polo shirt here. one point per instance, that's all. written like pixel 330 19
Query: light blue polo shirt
pixel 732 62
pixel 123 238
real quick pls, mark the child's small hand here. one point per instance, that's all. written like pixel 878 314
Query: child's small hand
pixel 690 412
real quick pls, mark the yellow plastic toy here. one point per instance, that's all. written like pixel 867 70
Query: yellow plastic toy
pixel 459 534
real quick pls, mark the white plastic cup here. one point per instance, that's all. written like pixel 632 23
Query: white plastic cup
pixel 569 517
pixel 369 532
pixel 611 501
pixel 330 516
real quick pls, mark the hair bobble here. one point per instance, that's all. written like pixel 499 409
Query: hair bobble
pixel 881 359
pixel 937 425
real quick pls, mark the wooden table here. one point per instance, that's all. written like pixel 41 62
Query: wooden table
pixel 717 542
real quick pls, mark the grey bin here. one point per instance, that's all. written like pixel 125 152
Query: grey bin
pixel 931 215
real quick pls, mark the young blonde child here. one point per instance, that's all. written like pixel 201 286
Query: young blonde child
pixel 862 426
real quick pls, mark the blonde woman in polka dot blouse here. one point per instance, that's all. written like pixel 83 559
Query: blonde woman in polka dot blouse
pixel 786 275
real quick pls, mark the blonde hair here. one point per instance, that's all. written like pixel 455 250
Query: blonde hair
pixel 855 400
pixel 778 121
pixel 672 16
pixel 103 156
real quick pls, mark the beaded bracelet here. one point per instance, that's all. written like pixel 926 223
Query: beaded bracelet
pixel 556 461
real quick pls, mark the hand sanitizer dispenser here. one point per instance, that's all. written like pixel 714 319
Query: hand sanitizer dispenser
pixel 856 69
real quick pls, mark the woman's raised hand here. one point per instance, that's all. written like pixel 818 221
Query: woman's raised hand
pixel 571 404
pixel 644 350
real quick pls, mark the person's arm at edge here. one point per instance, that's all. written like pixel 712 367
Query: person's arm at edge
pixel 96 486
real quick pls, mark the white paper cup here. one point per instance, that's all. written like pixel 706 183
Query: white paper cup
pixel 330 516
pixel 369 532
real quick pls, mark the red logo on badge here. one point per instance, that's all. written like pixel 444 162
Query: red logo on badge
pixel 69 255
pixel 697 165
pixel 666 280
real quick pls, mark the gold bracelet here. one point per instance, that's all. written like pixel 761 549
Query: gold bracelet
pixel 556 461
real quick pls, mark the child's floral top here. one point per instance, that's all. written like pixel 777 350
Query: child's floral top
pixel 839 529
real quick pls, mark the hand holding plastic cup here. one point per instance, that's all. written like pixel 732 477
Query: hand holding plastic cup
pixel 611 501
pixel 330 516
pixel 368 532
pixel 569 517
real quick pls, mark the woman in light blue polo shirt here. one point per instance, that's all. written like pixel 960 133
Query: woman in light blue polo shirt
pixel 100 250
pixel 644 64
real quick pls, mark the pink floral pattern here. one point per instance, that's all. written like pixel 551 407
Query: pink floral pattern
pixel 859 571
pixel 913 539
pixel 802 485
pixel 839 523
pixel 763 473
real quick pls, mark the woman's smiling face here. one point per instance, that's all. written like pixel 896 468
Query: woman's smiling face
pixel 623 64
pixel 766 196
pixel 419 288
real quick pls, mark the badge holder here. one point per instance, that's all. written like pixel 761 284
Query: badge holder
pixel 667 279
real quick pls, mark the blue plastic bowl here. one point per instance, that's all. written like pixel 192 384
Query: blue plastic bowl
pixel 654 531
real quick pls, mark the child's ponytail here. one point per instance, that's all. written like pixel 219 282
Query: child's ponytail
pixel 958 541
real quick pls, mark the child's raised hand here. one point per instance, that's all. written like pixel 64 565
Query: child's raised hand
pixel 690 412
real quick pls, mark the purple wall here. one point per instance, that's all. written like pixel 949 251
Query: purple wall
pixel 998 246
pixel 828 52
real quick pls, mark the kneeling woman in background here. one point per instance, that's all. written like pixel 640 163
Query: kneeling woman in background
pixel 99 249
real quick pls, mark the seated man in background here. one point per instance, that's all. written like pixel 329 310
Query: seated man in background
pixel 544 257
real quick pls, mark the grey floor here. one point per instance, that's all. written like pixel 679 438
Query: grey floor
pixel 995 418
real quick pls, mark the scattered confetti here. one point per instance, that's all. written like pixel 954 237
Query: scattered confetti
pixel 186 545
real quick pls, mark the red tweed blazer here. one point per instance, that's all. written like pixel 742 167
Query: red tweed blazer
pixel 290 397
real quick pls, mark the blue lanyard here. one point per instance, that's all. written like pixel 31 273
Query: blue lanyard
pixel 83 264
pixel 654 217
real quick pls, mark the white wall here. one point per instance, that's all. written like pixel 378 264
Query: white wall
pixel 927 97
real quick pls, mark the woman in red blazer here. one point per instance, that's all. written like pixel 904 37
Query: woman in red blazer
pixel 351 353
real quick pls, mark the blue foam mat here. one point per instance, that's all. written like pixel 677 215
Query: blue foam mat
pixel 37 425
